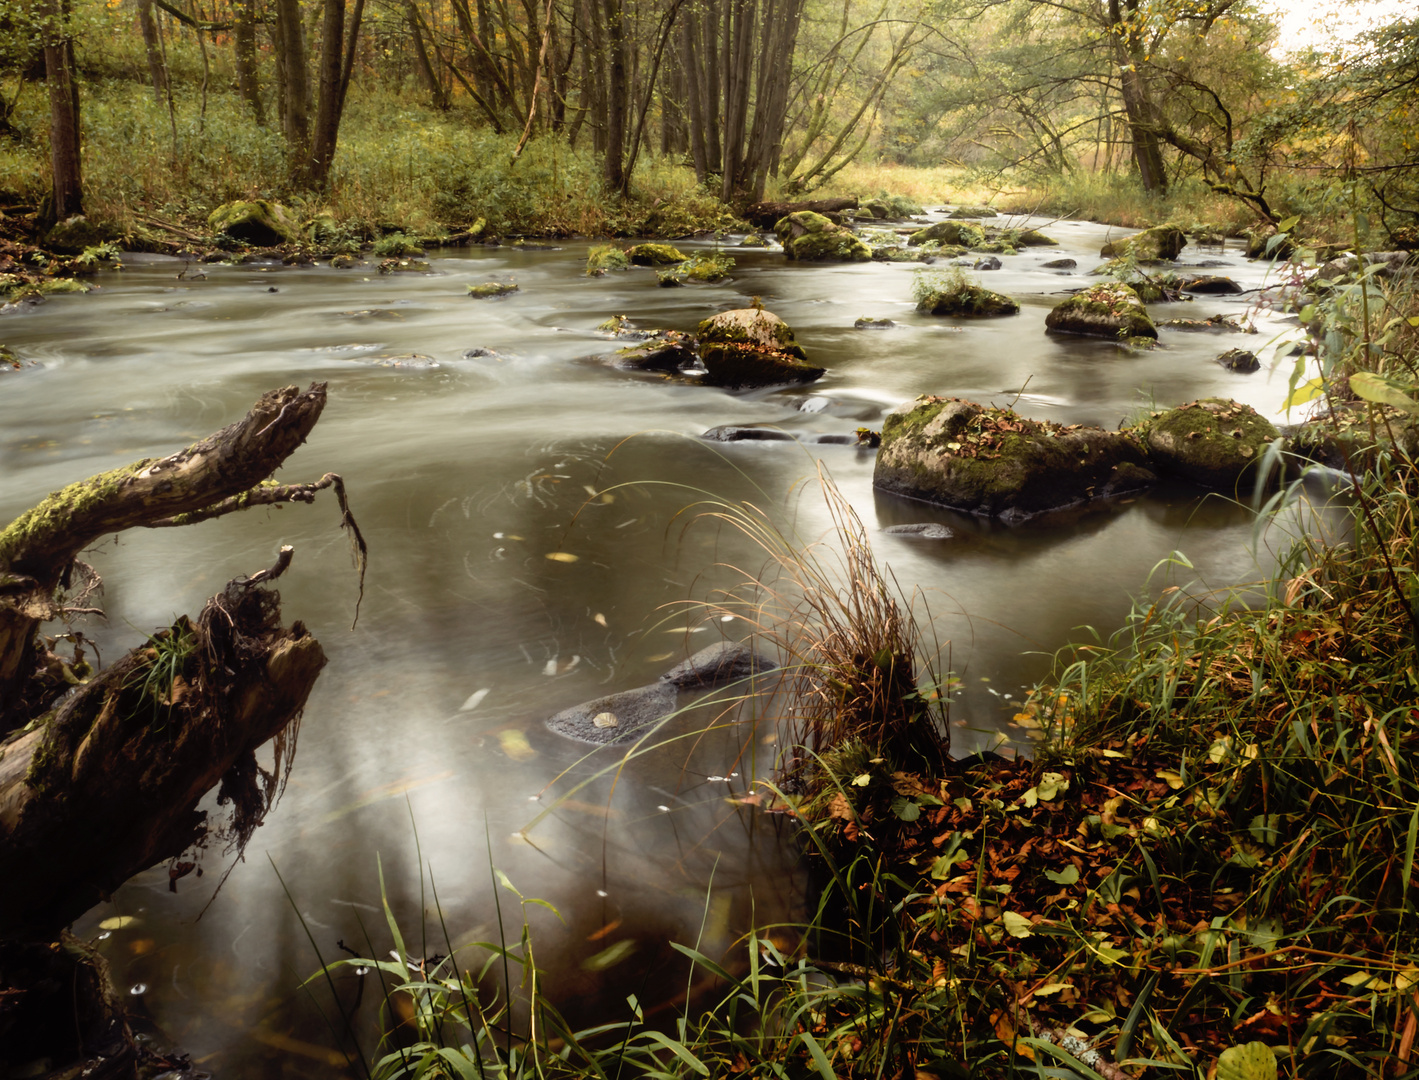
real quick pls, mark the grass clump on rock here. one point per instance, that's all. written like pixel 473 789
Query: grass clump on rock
pixel 952 292
pixel 605 257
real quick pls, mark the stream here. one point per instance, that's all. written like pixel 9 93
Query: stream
pixel 423 754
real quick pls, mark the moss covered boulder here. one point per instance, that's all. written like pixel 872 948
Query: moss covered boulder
pixel 966 300
pixel 746 367
pixel 491 290
pixel 1110 310
pixel 750 326
pixel 1162 243
pixel 813 238
pixel 605 257
pixel 996 463
pixel 1026 238
pixel 949 232
pixel 654 254
pixel 72 235
pixel 255 221
pixel 668 352
pixel 1214 442
pixel 969 212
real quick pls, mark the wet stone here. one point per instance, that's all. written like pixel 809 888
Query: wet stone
pixel 717 664
pixel 731 433
pixel 927 530
pixel 1239 360
pixel 631 711
pixel 1061 264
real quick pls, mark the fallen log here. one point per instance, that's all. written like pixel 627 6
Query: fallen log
pixel 100 775
pixel 763 215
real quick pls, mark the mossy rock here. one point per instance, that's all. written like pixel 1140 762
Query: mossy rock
pixel 345 262
pixel 895 253
pixel 654 255
pixel 1353 431
pixel 753 240
pixel 491 289
pixel 744 367
pixel 967 300
pixel 973 212
pixel 1026 238
pixel 949 232
pixel 1210 285
pixel 1109 310
pixel 811 237
pixel 865 322
pixel 72 235
pixel 994 247
pixel 708 267
pixel 606 257
pixel 874 208
pixel 254 221
pixel 995 463
pixel 1160 242
pixel 404 266
pixel 1214 442
pixel 1239 360
pixel 668 352
pixel 750 326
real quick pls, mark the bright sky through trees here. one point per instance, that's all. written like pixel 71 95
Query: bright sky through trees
pixel 1321 23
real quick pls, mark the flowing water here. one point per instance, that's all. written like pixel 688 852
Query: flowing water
pixel 465 471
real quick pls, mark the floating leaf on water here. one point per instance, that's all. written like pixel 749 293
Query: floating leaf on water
pixel 1254 1061
pixel 117 922
pixel 1016 925
pixel 474 699
pixel 597 935
pixel 1068 876
pixel 515 745
pixel 605 720
pixel 658 657
pixel 685 630
pixel 562 556
pixel 599 619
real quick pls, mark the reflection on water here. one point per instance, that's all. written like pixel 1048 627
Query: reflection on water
pixel 469 470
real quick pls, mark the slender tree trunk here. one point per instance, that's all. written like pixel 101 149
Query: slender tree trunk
pixel 291 56
pixel 157 70
pixel 244 41
pixel 327 109
pixel 617 96
pixel 67 193
pixel 421 54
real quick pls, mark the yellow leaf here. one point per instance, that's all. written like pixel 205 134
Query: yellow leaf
pixel 1016 925
pixel 515 745
pixel 863 780
pixel 1052 988
pixel 561 556
pixel 117 922
pixel 1174 780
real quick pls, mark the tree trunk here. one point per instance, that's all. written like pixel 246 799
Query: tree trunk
pixel 67 193
pixel 295 101
pixel 244 40
pixel 617 96
pixel 331 93
pixel 102 781
pixel 157 70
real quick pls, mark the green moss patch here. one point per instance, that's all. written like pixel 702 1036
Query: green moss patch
pixel 654 255
pixel 1110 309
pixel 491 289
pixel 605 257
pixel 741 367
pixel 1214 442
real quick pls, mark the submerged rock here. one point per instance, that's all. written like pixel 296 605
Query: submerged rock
pixel 995 463
pixel 1239 360
pixel 415 361
pixel 255 221
pixel 1216 324
pixel 927 530
pixel 866 323
pixel 616 718
pixel 733 433
pixel 718 664
pixel 1061 264
pixel 1110 310
pixel 814 238
pixel 1160 243
pixel 1214 442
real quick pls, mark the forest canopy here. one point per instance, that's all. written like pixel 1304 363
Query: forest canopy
pixel 481 103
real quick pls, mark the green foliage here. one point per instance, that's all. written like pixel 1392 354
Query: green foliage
pixel 156 678
pixel 396 246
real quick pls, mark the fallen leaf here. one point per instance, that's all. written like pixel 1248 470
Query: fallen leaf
pixel 515 745
pixel 1016 925
pixel 562 556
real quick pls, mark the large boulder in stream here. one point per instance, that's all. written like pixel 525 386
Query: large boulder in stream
pixel 995 463
pixel 751 347
pixel 1110 309
pixel 949 232
pixel 668 351
pixel 1162 243
pixel 255 221
pixel 813 238
pixel 1214 442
